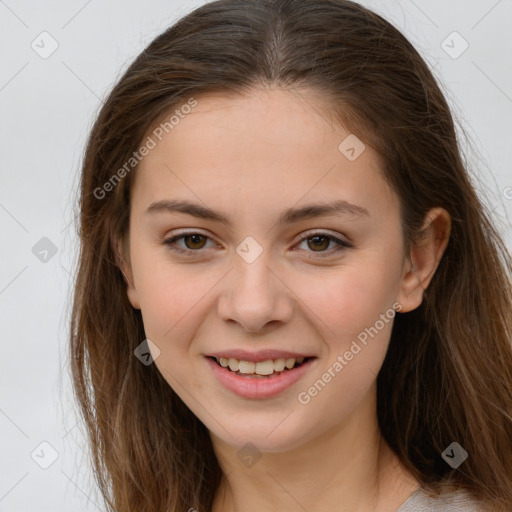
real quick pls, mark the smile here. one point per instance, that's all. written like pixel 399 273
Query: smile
pixel 259 380
pixel 262 368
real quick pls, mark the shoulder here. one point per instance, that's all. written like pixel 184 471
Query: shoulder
pixel 459 501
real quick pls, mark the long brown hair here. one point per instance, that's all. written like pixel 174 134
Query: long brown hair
pixel 447 375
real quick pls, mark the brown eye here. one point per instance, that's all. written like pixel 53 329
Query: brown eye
pixel 195 241
pixel 319 242
pixel 316 243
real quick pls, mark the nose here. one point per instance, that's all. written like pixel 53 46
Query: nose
pixel 255 296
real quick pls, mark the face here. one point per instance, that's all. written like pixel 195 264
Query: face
pixel 264 281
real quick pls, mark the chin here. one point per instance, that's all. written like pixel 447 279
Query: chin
pixel 265 437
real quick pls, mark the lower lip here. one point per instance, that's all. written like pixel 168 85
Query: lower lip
pixel 250 387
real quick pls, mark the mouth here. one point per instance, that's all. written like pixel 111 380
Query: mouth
pixel 267 369
pixel 262 379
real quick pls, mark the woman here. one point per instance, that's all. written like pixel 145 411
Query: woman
pixel 289 294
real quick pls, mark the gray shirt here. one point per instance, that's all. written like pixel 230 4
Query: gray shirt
pixel 459 501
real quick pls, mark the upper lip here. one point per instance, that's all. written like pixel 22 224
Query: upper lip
pixel 259 356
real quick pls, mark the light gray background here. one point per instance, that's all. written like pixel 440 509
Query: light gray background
pixel 47 107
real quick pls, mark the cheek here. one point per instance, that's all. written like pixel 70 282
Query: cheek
pixel 172 306
pixel 354 317
pixel 169 303
pixel 343 302
pixel 167 292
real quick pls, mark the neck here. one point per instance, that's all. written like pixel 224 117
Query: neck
pixel 349 468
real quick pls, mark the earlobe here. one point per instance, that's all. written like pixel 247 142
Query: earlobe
pixel 424 258
pixel 126 270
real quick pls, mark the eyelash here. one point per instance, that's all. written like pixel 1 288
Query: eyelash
pixel 342 245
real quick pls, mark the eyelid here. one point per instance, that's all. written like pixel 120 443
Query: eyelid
pixel 172 239
pixel 341 244
pixel 321 232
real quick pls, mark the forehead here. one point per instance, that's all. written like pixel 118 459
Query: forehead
pixel 268 148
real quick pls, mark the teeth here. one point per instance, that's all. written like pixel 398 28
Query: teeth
pixel 261 368
pixel 246 367
pixel 279 365
pixel 264 367
pixel 289 363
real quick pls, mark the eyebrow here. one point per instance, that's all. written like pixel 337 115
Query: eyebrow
pixel 289 216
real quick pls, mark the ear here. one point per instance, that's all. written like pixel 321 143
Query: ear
pixel 121 250
pixel 424 258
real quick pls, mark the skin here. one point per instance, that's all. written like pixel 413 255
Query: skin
pixel 251 158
